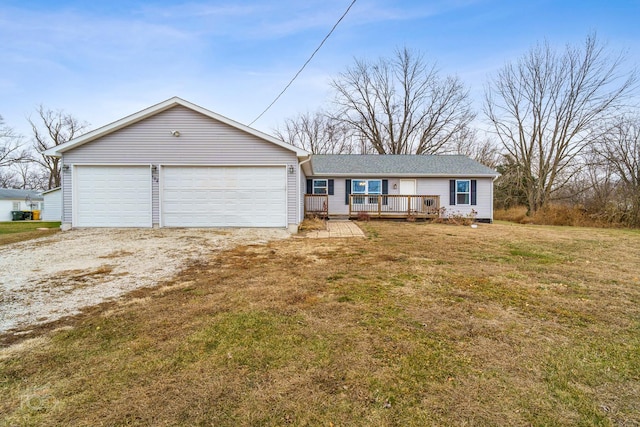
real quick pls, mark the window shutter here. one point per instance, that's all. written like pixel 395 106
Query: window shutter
pixel 385 190
pixel 452 192
pixel 330 187
pixel 474 196
pixel 347 191
pixel 309 186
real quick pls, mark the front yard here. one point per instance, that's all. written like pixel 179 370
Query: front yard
pixel 419 324
pixel 18 231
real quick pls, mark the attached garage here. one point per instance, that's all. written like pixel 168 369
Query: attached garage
pixel 112 196
pixel 176 164
pixel 224 196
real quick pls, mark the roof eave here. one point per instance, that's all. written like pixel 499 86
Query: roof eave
pixel 408 175
pixel 51 190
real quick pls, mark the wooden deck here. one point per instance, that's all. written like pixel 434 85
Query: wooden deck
pixel 378 206
pixel 394 206
pixel 316 205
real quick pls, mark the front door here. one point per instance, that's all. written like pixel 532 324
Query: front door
pixel 407 187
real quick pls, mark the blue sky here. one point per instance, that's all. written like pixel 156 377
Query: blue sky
pixel 105 59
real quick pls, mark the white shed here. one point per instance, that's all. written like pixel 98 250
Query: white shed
pixel 52 210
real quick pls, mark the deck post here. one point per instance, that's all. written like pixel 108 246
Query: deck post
pixel 409 205
pixel 380 207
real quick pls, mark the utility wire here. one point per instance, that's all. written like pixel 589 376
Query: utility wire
pixel 305 64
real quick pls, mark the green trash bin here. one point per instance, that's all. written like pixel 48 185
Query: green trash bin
pixel 16 215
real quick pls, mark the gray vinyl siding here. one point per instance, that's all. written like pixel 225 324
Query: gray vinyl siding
pixel 292 196
pixel 440 186
pixel 425 186
pixel 203 141
pixel 66 196
pixel 155 196
pixel 303 189
pixel 52 206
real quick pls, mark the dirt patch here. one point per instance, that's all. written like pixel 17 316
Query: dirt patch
pixel 45 279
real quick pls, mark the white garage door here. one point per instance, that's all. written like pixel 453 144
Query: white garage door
pixel 112 196
pixel 224 196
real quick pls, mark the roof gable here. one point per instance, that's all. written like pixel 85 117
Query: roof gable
pixel 397 165
pixel 158 108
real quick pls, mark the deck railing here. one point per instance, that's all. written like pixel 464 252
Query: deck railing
pixel 377 206
pixel 316 205
pixel 394 206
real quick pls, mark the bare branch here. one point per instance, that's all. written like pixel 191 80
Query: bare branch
pixel 546 109
pixel 401 105
pixel 317 133
pixel 11 146
pixel 50 129
pixel 619 149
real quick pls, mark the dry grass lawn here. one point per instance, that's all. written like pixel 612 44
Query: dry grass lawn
pixel 419 324
pixel 19 231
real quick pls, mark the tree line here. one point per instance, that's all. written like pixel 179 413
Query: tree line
pixel 22 164
pixel 560 125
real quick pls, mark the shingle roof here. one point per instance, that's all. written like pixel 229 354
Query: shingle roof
pixel 11 194
pixel 373 164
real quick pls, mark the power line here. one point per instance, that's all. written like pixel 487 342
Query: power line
pixel 305 64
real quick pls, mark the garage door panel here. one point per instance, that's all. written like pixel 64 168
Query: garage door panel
pixel 113 196
pixel 224 196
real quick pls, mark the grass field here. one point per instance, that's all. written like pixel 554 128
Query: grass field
pixel 17 231
pixel 418 324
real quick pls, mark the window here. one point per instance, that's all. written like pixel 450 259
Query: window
pixel 16 206
pixel 463 192
pixel 366 186
pixel 320 186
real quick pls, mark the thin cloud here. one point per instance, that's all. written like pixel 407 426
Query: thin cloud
pixel 256 20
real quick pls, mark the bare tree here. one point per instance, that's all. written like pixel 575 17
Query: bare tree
pixel 53 128
pixel 483 151
pixel 594 187
pixel 620 148
pixel 317 133
pixel 31 175
pixel 401 105
pixel 509 187
pixel 546 108
pixel 8 178
pixel 11 146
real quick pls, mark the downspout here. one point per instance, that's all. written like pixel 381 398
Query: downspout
pixel 492 181
pixel 300 207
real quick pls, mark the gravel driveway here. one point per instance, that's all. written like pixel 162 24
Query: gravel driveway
pixel 45 279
